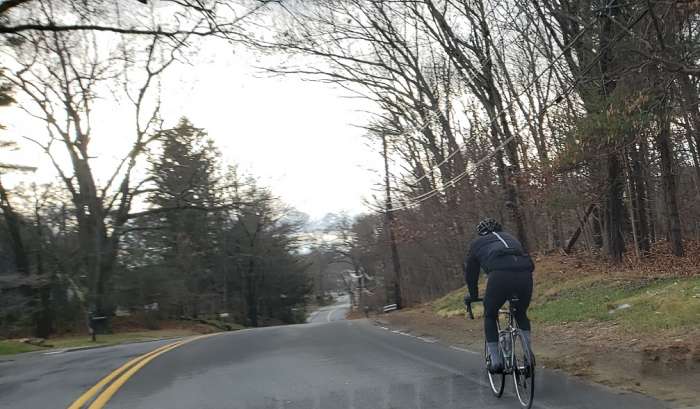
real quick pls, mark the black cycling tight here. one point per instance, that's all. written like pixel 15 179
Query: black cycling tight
pixel 500 287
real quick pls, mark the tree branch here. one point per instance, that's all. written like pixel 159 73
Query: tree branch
pixel 92 27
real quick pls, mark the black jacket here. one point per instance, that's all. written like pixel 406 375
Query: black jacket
pixel 498 251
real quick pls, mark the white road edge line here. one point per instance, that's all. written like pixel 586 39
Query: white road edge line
pixel 449 369
pixel 328 317
pixel 55 352
pixel 464 350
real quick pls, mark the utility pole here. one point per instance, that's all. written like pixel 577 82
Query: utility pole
pixel 390 226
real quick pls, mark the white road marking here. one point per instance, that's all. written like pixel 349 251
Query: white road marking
pixel 312 316
pixel 464 350
pixel 328 318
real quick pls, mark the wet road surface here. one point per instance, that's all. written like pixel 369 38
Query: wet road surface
pixel 324 365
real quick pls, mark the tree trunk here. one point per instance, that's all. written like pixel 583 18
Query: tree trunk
pixel 577 233
pixel 512 173
pixel 615 210
pixel 691 104
pixel 647 183
pixel 251 296
pixel 597 228
pixel 513 202
pixel 614 205
pixel 506 179
pixel 639 200
pixel 555 227
pixel 487 92
pixel 668 182
pixel 43 325
pixel 696 160
pixel 629 188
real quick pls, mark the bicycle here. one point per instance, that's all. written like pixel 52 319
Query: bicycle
pixel 518 359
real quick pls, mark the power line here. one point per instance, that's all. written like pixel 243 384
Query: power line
pixel 414 201
pixel 509 105
pixel 432 193
pixel 452 182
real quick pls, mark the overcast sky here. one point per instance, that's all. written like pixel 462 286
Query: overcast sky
pixel 296 136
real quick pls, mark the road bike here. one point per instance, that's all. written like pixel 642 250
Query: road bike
pixel 518 358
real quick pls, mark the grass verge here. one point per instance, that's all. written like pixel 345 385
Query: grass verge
pixel 119 338
pixel 635 304
pixel 11 347
pixel 452 304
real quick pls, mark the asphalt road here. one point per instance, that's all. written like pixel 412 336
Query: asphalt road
pixel 335 312
pixel 328 365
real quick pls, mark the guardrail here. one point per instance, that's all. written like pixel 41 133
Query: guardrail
pixel 390 307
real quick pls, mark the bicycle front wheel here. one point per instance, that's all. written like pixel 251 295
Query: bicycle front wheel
pixel 523 371
pixel 498 380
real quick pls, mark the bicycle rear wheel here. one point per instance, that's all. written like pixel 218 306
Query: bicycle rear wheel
pixel 497 381
pixel 523 371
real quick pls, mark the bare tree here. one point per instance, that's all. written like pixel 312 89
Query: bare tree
pixel 60 76
pixel 165 18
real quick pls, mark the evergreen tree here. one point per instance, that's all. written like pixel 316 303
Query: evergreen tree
pixel 183 174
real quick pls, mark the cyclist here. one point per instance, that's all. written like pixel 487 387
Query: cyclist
pixel 509 268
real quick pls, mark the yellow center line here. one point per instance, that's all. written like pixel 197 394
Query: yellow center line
pixel 107 379
pixel 107 394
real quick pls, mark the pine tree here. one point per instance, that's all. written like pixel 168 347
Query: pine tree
pixel 183 175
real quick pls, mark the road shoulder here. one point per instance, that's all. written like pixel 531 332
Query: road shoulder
pixel 667 374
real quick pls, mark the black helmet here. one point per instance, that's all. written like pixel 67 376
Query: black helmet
pixel 487 226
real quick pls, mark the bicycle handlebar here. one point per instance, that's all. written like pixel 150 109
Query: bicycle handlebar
pixel 468 304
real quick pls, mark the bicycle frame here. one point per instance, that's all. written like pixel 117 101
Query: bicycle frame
pixel 507 338
pixel 510 330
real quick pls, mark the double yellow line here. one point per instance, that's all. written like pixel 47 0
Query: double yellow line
pixel 119 376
